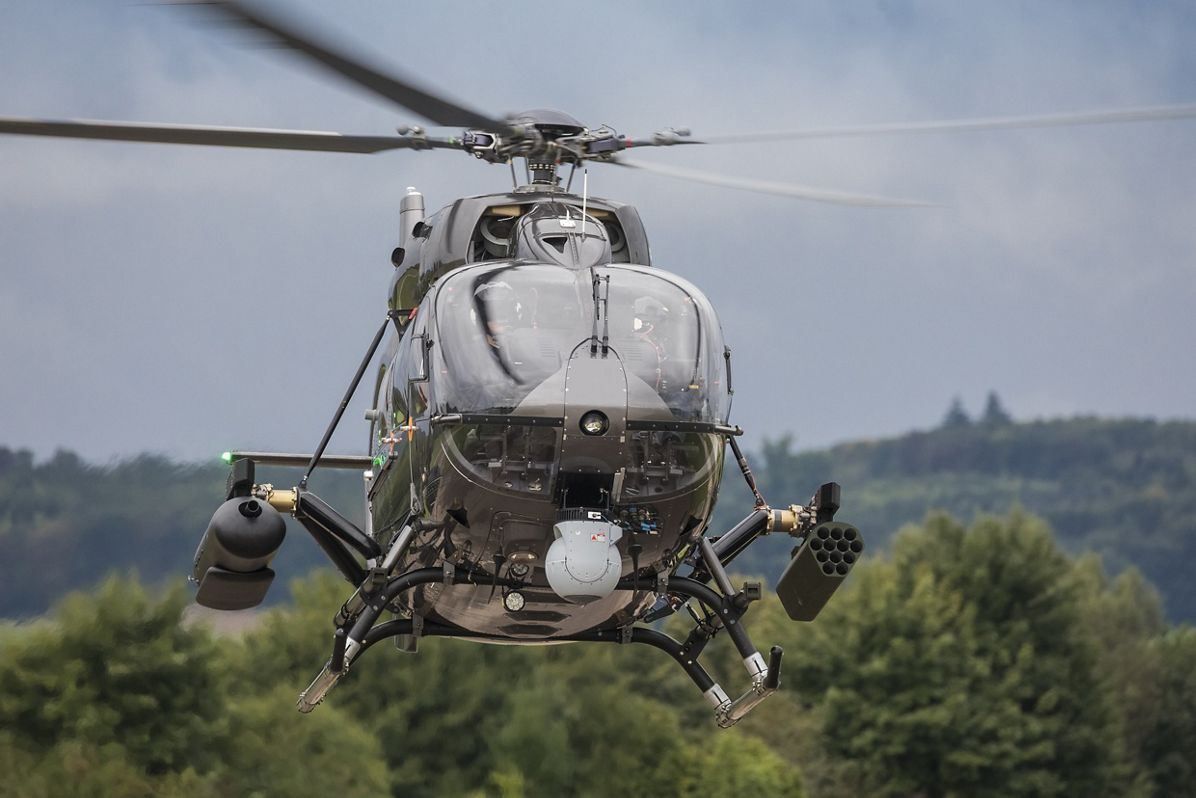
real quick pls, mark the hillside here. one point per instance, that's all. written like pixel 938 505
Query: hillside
pixel 65 524
pixel 1123 488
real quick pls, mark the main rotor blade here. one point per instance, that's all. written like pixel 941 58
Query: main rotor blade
pixel 398 90
pixel 263 138
pixel 771 187
pixel 1150 114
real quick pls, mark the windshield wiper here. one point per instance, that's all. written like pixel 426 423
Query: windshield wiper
pixel 606 318
pixel 594 280
pixel 601 305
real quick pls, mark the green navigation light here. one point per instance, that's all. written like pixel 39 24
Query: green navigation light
pixel 226 457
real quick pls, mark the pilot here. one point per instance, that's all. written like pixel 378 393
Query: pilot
pixel 649 321
pixel 663 365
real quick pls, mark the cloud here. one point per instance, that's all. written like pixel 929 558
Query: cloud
pixel 189 299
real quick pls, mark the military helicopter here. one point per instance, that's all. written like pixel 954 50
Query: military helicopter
pixel 550 415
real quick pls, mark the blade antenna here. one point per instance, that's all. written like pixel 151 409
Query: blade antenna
pixel 585 194
pixel 514 178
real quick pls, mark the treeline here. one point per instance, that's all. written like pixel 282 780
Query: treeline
pixel 981 661
pixel 65 524
pixel 1125 489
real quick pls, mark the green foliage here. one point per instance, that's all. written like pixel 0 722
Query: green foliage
pixel 1166 749
pixel 572 726
pixel 117 667
pixel 1124 616
pixel 275 751
pixel 970 661
pixel 572 720
pixel 960 667
pixel 74 769
pixel 733 764
pixel 1149 673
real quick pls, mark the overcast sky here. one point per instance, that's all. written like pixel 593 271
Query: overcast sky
pixel 186 300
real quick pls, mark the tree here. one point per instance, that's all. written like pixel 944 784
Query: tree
pixel 1124 616
pixel 1041 661
pixel 960 667
pixel 579 720
pixel 730 764
pixel 956 416
pixel 1168 748
pixel 275 751
pixel 890 669
pixel 73 769
pixel 994 413
pixel 117 667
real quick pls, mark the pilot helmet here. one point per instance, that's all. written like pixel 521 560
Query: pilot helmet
pixel 648 312
pixel 561 235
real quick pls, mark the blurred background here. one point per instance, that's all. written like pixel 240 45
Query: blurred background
pixel 1006 375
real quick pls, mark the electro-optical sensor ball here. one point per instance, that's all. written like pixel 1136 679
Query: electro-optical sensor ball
pixel 595 422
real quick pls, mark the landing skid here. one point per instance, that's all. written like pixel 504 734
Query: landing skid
pixel 357 633
pixel 805 587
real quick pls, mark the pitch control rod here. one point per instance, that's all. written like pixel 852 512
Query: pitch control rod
pixel 747 472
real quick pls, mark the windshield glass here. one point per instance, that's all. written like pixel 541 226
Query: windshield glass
pixel 657 331
pixel 505 329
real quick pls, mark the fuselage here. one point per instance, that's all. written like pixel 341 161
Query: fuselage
pixel 523 394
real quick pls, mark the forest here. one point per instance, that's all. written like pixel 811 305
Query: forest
pixel 977 660
pixel 1018 626
pixel 1125 489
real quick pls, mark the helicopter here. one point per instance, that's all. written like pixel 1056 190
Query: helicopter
pixel 550 416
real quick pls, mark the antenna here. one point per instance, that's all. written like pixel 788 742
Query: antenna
pixel 585 195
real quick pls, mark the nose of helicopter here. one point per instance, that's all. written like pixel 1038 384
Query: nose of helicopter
pixel 595 418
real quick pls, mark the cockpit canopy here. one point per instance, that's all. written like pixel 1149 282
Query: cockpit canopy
pixel 504 329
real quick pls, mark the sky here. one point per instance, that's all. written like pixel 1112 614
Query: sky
pixel 188 300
